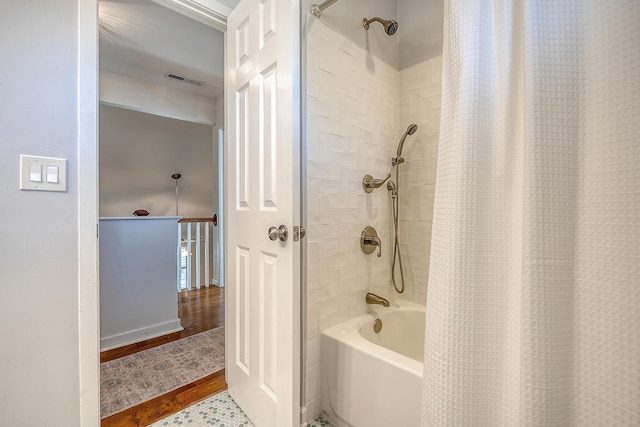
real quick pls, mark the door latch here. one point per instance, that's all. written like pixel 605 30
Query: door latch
pixel 298 232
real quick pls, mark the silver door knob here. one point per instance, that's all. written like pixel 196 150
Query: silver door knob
pixel 281 233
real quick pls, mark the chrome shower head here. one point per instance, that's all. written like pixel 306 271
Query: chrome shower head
pixel 390 26
pixel 410 131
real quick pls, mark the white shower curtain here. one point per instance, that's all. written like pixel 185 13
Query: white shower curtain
pixel 533 306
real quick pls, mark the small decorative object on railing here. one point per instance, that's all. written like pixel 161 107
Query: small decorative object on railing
pixel 141 212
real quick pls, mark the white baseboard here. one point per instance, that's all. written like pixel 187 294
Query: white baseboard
pixel 141 334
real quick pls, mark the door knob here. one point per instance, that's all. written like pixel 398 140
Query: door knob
pixel 279 233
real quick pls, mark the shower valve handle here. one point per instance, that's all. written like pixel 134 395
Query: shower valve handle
pixel 369 183
pixel 369 240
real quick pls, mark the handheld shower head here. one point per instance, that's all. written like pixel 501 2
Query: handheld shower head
pixel 410 131
pixel 390 26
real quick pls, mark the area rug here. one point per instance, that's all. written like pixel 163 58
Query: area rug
pixel 218 410
pixel 139 377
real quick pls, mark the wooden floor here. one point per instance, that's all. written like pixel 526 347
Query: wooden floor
pixel 199 310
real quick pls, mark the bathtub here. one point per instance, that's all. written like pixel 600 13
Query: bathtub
pixel 373 379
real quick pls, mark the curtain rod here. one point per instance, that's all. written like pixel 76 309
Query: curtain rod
pixel 317 9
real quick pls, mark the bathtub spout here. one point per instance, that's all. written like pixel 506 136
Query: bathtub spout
pixel 376 299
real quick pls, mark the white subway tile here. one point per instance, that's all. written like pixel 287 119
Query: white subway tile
pixel 358 107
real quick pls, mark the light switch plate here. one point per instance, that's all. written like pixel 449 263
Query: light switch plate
pixel 25 168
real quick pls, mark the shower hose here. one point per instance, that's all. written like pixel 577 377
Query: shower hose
pixel 395 202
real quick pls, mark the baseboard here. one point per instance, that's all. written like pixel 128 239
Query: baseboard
pixel 141 334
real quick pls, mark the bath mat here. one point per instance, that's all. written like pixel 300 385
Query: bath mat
pixel 133 379
pixel 217 410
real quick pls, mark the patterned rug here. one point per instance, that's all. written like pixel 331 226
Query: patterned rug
pixel 219 410
pixel 133 379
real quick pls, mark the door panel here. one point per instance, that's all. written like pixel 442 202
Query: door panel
pixel 263 296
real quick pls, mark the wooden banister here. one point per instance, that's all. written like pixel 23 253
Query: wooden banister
pixel 213 219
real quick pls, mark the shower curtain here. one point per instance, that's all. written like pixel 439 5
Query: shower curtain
pixel 533 306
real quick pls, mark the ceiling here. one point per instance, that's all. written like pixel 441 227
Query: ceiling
pixel 142 39
pixel 145 40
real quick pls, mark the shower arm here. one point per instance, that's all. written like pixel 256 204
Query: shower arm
pixel 317 9
pixel 366 22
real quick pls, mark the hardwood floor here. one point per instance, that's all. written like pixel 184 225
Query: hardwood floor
pixel 199 310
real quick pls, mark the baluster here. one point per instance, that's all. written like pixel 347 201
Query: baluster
pixel 198 255
pixel 179 257
pixel 189 249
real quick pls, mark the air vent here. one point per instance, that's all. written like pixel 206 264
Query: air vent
pixel 184 79
pixel 175 76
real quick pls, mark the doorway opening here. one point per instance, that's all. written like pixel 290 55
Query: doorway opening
pixel 161 114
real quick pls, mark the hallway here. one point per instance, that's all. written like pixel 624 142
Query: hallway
pixel 199 310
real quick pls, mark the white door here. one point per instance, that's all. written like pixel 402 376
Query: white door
pixel 262 276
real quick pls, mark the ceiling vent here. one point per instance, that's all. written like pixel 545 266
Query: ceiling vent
pixel 184 79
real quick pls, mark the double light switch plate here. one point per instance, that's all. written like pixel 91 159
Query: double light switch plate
pixel 43 173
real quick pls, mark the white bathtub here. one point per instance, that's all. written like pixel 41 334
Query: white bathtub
pixel 374 380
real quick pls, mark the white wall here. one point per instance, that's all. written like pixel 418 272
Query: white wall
pixel 138 298
pixel 352 125
pixel 420 89
pixel 345 17
pixel 39 328
pixel 356 116
pixel 419 35
pixel 138 154
pixel 140 95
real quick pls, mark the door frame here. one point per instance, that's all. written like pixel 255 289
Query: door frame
pixel 209 12
pixel 218 147
pixel 88 290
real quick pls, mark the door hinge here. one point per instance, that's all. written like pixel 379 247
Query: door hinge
pixel 298 232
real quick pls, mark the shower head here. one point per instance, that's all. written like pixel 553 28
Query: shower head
pixel 390 26
pixel 410 131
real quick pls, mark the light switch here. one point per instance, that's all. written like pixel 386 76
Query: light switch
pixel 43 173
pixel 35 173
pixel 52 174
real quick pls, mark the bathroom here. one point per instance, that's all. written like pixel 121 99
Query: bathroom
pixel 527 224
pixel 523 241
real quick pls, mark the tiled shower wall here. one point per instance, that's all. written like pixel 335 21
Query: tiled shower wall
pixel 355 102
pixel 420 88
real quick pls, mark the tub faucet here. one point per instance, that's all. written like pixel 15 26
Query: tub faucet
pixel 376 299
